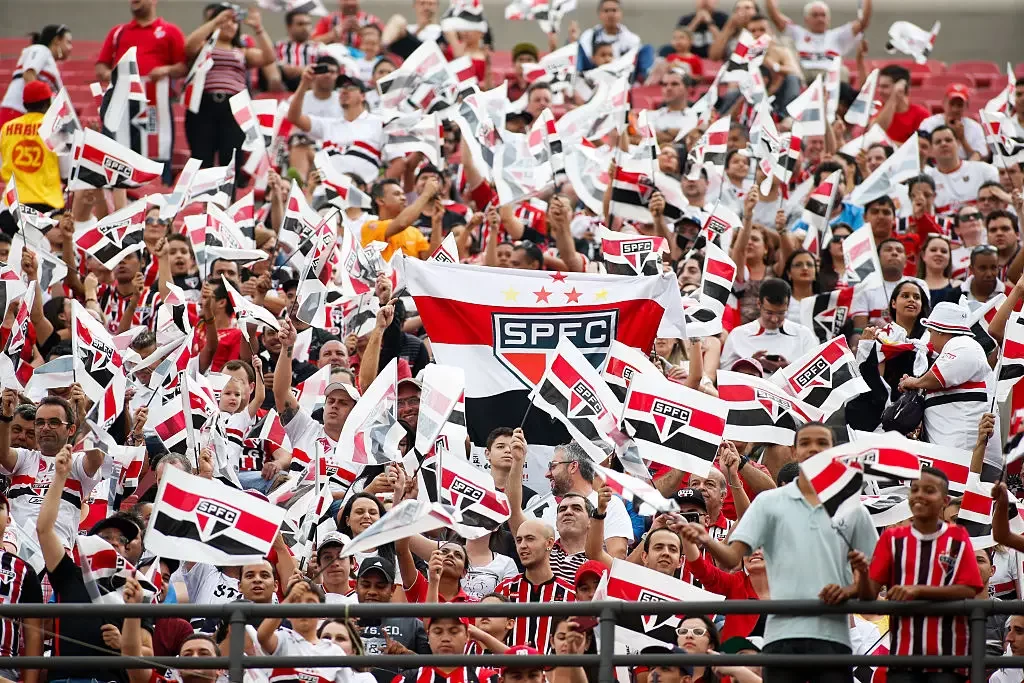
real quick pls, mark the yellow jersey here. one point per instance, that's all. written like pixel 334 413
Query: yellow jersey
pixel 35 168
pixel 410 241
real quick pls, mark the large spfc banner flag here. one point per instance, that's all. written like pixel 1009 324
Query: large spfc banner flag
pixel 633 583
pixel 503 331
pixel 201 520
pixel 673 424
pixel 761 412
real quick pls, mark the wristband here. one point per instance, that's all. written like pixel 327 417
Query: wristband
pixel 744 461
pixel 598 515
pixel 6 418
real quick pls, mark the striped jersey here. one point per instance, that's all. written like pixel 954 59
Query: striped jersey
pixel 905 556
pixel 114 306
pixel 30 480
pixel 294 53
pixel 535 631
pixel 565 565
pixel 952 412
pixel 431 674
pixel 18 585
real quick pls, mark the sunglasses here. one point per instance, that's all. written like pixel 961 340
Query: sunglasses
pixel 970 217
pixel 984 249
pixel 838 239
pixel 697 631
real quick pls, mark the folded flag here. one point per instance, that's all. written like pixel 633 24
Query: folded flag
pixel 836 484
pixel 248 313
pixel 828 313
pixel 626 254
pixel 116 235
pixel 817 212
pixel 624 362
pixel 912 40
pixel 825 377
pixel 809 110
pixel 59 124
pixel 195 80
pixel 644 496
pixel 905 163
pixel 1011 362
pixel 863 270
pixel 860 112
pixel 371 433
pixel 105 572
pixel 200 520
pixel 103 378
pixel 406 519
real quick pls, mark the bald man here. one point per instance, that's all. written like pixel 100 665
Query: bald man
pixel 538 583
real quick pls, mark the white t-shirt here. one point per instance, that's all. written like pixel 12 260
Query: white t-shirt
pixel 953 190
pixel 479 581
pixel 367 129
pixel 291 644
pixel 816 50
pixel 790 341
pixel 327 109
pixel 665 119
pixel 31 479
pixel 207 585
pixel 973 133
pixel 951 414
pixel 616 525
pixel 38 58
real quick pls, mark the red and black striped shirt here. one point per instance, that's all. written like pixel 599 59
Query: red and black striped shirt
pixel 18 585
pixel 535 631
pixel 431 674
pixel 115 305
pixel 906 557
pixel 294 53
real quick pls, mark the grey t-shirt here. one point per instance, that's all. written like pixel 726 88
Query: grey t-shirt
pixel 803 553
pixel 407 631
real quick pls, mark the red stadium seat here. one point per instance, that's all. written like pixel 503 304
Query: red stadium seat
pixel 985 73
pixel 946 79
pixel 918 72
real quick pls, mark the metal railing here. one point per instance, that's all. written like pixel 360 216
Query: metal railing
pixel 239 613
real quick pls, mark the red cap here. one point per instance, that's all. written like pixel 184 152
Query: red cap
pixel 958 90
pixel 36 91
pixel 524 650
pixel 462 620
pixel 590 567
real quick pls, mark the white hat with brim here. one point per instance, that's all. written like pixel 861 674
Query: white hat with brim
pixel 948 318
pixel 352 392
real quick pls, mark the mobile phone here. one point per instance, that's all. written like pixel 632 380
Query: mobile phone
pixel 773 358
pixel 690 517
pixel 321 68
pixel 586 623
pixel 240 13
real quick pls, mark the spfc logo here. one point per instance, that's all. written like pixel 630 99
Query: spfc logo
pixel 635 252
pixel 214 518
pixel 817 373
pixel 653 622
pixel 523 342
pixel 464 493
pixel 115 231
pixel 773 403
pixel 584 402
pixel 669 418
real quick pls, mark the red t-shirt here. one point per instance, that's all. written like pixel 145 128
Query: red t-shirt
pixel 229 346
pixel 694 62
pixel 161 43
pixel 418 592
pixel 905 123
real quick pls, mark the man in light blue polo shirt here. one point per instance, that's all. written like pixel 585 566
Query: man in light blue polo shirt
pixel 806 558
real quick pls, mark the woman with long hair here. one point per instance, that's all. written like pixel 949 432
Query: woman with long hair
pixel 698 635
pixel 38 61
pixel 833 263
pixel 213 134
pixel 753 252
pixel 568 638
pixel 362 510
pixel 801 272
pixel 935 267
pixel 908 305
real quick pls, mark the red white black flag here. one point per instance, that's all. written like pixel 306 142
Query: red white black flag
pixel 103 378
pixel 406 519
pixel 760 411
pixel 116 235
pixel 673 424
pixel 1011 363
pixel 816 213
pixel 837 484
pixel 826 314
pixel 626 254
pixel 100 162
pixel 200 520
pixel 59 124
pixel 825 377
pixel 624 362
pixel 105 572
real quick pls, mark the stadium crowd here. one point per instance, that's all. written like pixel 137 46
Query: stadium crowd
pixel 755 337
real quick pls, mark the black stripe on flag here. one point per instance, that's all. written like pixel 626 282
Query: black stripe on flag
pixel 818 395
pixel 716 292
pixel 550 392
pixel 645 431
pixel 177 528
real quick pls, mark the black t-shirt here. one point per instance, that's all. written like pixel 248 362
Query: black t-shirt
pixel 449 220
pixel 702 36
pixel 69 587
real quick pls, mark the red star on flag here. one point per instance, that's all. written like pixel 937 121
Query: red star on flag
pixel 572 296
pixel 542 295
pixel 558 277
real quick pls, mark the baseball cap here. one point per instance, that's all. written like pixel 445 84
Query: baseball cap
pixel 525 49
pixel 738 644
pixel 666 650
pixel 333 538
pixel 128 529
pixel 352 392
pixel 462 620
pixel 748 363
pixel 525 651
pixel 36 91
pixel 691 497
pixel 348 80
pixel 590 567
pixel 377 564
pixel 958 91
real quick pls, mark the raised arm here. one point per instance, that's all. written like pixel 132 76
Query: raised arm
pixel 410 213
pixel 514 483
pixel 261 391
pixel 263 54
pixel 49 541
pixel 284 401
pixel 8 403
pixel 295 115
pixel 196 39
pixel 725 554
pixel 370 363
pixel 595 534
pixel 739 247
pixel 131 632
pixel 778 18
pixel 861 24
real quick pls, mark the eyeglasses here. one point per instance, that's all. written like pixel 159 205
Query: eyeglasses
pixel 152 220
pixel 696 630
pixel 970 217
pixel 553 465
pixel 985 249
pixel 52 423
pixel 117 541
pixel 413 402
pixel 838 239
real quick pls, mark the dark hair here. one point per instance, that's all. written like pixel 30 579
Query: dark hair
pixel 884 199
pixel 290 16
pixel 36 107
pixel 69 412
pixel 52 310
pixel 62 348
pixel 775 291
pixel 714 639
pixel 787 473
pixel 942 127
pixel 886 241
pixel 386 551
pixel 936 472
pixel 216 10
pixel 827 264
pixel 808 425
pixel 815 286
pixel 49 33
pixel 26 410
pixel 241 365
pixel 922 268
pixel 537 86
pixel 133 517
pixel 178 237
pixel 886 149
pixel 5 238
pixel 650 535
pixel 1000 213
pixel 353 634
pixel 144 339
pixel 896 73
pixel 990 183
pixel 533 252
pixel 923 178
pixel 202 636
pixel 496 433
pixel 918 329
pixel 587 505
pixel 377 191
pixel 731 154
pixel 825 168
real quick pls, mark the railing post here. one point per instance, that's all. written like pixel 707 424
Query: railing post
pixel 607 673
pixel 236 646
pixel 978 617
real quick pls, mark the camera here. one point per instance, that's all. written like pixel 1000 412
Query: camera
pixel 319 69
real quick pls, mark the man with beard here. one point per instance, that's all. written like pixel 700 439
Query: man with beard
pixel 571 470
pixel 537 583
pixel 32 472
pixel 375 583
